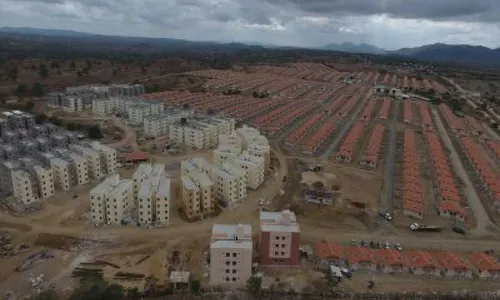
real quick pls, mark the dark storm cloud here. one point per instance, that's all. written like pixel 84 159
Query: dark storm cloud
pixel 463 10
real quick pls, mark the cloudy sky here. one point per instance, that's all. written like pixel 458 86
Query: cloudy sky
pixel 388 24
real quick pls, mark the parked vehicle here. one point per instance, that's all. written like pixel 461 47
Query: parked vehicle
pixel 423 227
pixel 386 215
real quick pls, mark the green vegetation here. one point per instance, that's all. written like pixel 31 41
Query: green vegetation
pixel 254 285
pixel 257 94
pixel 43 72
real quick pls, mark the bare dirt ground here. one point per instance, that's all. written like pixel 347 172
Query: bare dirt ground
pixel 63 225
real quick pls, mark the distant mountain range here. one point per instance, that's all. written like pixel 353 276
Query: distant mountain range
pixel 457 54
pixel 354 48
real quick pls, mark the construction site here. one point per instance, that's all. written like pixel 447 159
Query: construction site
pixel 365 164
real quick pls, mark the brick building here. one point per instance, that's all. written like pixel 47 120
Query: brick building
pixel 279 239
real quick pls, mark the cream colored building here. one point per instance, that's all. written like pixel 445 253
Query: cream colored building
pixel 163 200
pixel 197 195
pixel 140 175
pixel 24 187
pixel 231 255
pixel 98 196
pixel 148 194
pixel 72 104
pixel 81 172
pixel 254 169
pixel 256 144
pixel 224 154
pixel 61 171
pixel 158 124
pixel 118 202
pixel 93 157
pixel 108 157
pixel 45 180
pixel 110 200
pixel 200 134
pixel 230 184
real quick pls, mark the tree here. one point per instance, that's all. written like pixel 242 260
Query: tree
pixel 54 64
pixel 70 126
pixel 89 64
pixel 49 294
pixel 21 90
pixel 114 292
pixel 37 89
pixel 13 73
pixel 3 97
pixel 254 285
pixel 55 121
pixel 94 132
pixel 40 118
pixel 133 294
pixel 115 72
pixel 195 286
pixel 85 71
pixel 43 72
pixel 72 65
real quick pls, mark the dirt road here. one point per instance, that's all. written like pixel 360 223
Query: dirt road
pixel 482 218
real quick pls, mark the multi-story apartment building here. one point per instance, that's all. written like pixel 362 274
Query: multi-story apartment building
pixel 98 197
pixel 190 196
pixel 93 158
pixel 72 104
pixel 158 124
pixel 24 186
pixel 253 167
pixel 224 154
pixel 45 181
pixel 118 202
pixel 6 174
pixel 140 175
pixel 200 134
pixel 256 144
pixel 148 195
pixel 230 184
pixel 80 169
pixel 231 255
pixel 163 199
pixel 108 157
pixel 279 239
pixel 61 172
pixel 197 195
pixel 231 140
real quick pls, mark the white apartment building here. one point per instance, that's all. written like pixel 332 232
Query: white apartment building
pixel 24 187
pixel 98 197
pixel 61 172
pixel 163 199
pixel 147 195
pixel 231 255
pixel 253 167
pixel 93 158
pixel 224 154
pixel 72 104
pixel 118 202
pixel 108 157
pixel 158 124
pixel 197 195
pixel 140 109
pixel 230 184
pixel 200 134
pixel 45 180
pixel 140 175
pixel 232 140
pixel 81 172
pixel 256 144
pixel 190 196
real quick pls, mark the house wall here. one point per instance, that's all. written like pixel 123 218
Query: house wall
pixel 291 242
pixel 239 260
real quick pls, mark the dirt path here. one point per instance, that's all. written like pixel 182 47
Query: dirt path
pixel 482 218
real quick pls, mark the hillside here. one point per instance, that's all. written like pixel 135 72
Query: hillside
pixel 460 54
pixel 354 48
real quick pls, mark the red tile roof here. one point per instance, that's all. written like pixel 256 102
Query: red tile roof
pixel 330 251
pixel 137 156
pixel 420 259
pixel 389 257
pixel 357 254
pixel 484 262
pixel 452 260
